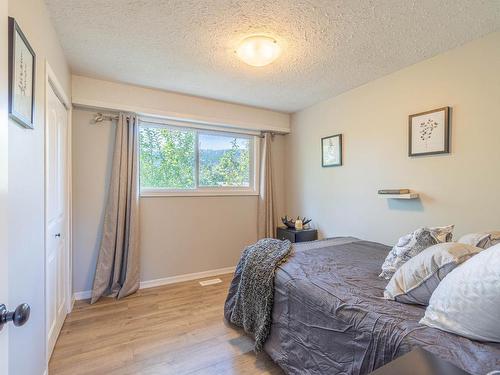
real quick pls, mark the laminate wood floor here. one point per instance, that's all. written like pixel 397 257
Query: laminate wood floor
pixel 174 329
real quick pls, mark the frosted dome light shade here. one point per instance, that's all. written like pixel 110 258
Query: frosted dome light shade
pixel 258 50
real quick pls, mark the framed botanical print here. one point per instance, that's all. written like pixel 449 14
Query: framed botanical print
pixel 331 151
pixel 429 132
pixel 21 76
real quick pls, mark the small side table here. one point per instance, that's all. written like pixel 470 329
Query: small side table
pixel 419 362
pixel 294 235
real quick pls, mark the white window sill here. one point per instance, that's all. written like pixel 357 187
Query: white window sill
pixel 196 193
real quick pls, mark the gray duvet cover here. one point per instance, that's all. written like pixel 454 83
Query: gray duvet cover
pixel 329 316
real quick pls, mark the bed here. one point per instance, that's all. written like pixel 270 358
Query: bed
pixel 329 316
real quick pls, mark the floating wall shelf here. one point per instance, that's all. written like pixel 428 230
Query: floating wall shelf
pixel 399 196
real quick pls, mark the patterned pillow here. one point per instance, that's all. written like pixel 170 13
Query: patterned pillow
pixel 410 245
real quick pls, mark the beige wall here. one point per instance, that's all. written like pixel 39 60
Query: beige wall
pixel 179 235
pixel 460 188
pixel 104 94
pixel 26 194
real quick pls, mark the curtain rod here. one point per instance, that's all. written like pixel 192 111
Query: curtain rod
pixel 189 124
pixel 100 117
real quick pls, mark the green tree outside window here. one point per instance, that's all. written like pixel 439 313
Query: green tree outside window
pixel 168 159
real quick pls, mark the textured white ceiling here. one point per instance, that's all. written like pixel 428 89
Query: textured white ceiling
pixel 329 46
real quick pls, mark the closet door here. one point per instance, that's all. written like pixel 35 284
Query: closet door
pixel 56 217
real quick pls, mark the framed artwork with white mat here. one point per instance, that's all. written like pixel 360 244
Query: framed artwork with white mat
pixel 21 77
pixel 429 132
pixel 331 151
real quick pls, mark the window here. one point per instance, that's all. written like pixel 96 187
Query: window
pixel 177 161
pixel 167 158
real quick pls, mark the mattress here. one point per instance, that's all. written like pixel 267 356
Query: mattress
pixel 329 316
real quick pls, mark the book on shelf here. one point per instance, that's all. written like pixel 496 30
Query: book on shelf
pixel 394 191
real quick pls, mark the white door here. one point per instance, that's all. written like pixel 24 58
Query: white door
pixel 4 338
pixel 56 217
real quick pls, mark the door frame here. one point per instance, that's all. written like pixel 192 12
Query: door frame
pixel 52 83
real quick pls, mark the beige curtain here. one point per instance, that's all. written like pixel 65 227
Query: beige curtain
pixel 117 270
pixel 266 224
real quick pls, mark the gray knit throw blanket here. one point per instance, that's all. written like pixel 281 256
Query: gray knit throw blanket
pixel 249 302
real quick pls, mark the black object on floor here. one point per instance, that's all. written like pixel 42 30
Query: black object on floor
pixel 419 362
pixel 294 235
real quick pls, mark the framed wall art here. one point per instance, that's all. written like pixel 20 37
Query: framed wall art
pixel 429 132
pixel 21 77
pixel 331 151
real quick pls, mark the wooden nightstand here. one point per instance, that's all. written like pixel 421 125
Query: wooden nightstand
pixel 419 362
pixel 296 235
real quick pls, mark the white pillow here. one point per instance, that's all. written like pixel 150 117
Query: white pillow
pixel 467 301
pixel 411 244
pixel 415 281
pixel 483 240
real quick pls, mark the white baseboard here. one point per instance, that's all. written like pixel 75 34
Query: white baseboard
pixel 186 277
pixel 166 280
pixel 86 294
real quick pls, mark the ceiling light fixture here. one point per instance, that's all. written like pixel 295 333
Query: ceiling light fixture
pixel 258 50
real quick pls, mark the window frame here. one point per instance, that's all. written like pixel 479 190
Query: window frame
pixel 253 189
